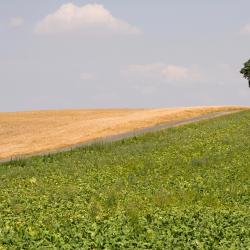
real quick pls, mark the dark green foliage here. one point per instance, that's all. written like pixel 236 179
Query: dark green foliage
pixel 181 188
pixel 246 71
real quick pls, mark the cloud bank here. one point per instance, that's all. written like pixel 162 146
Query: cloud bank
pixel 246 29
pixel 167 72
pixel 87 76
pixel 87 18
pixel 16 22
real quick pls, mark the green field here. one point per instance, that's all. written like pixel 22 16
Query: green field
pixel 181 188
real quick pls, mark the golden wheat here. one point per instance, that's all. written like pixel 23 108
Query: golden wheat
pixel 32 132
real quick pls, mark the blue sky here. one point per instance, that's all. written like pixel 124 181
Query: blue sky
pixel 99 54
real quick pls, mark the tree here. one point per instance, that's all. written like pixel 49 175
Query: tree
pixel 246 71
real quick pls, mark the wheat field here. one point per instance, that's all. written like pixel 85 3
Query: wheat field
pixel 24 133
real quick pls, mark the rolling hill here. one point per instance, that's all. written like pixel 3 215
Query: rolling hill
pixel 185 187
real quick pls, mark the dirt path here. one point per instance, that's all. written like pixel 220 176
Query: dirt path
pixel 131 133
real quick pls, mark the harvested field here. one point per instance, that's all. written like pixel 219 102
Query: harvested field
pixel 24 133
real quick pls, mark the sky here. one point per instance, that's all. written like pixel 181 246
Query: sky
pixel 122 54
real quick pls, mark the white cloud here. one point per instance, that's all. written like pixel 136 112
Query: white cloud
pixel 173 72
pixel 16 22
pixel 246 29
pixel 87 18
pixel 168 72
pixel 87 77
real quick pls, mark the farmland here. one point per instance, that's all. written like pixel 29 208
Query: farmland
pixel 186 187
pixel 25 133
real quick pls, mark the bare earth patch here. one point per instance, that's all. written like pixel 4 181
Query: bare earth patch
pixel 23 133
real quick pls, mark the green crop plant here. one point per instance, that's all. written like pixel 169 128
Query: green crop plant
pixel 180 188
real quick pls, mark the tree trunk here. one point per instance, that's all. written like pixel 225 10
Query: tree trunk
pixel 249 83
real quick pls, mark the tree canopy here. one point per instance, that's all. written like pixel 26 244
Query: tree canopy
pixel 246 71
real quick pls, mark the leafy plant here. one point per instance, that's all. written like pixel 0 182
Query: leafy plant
pixel 181 188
